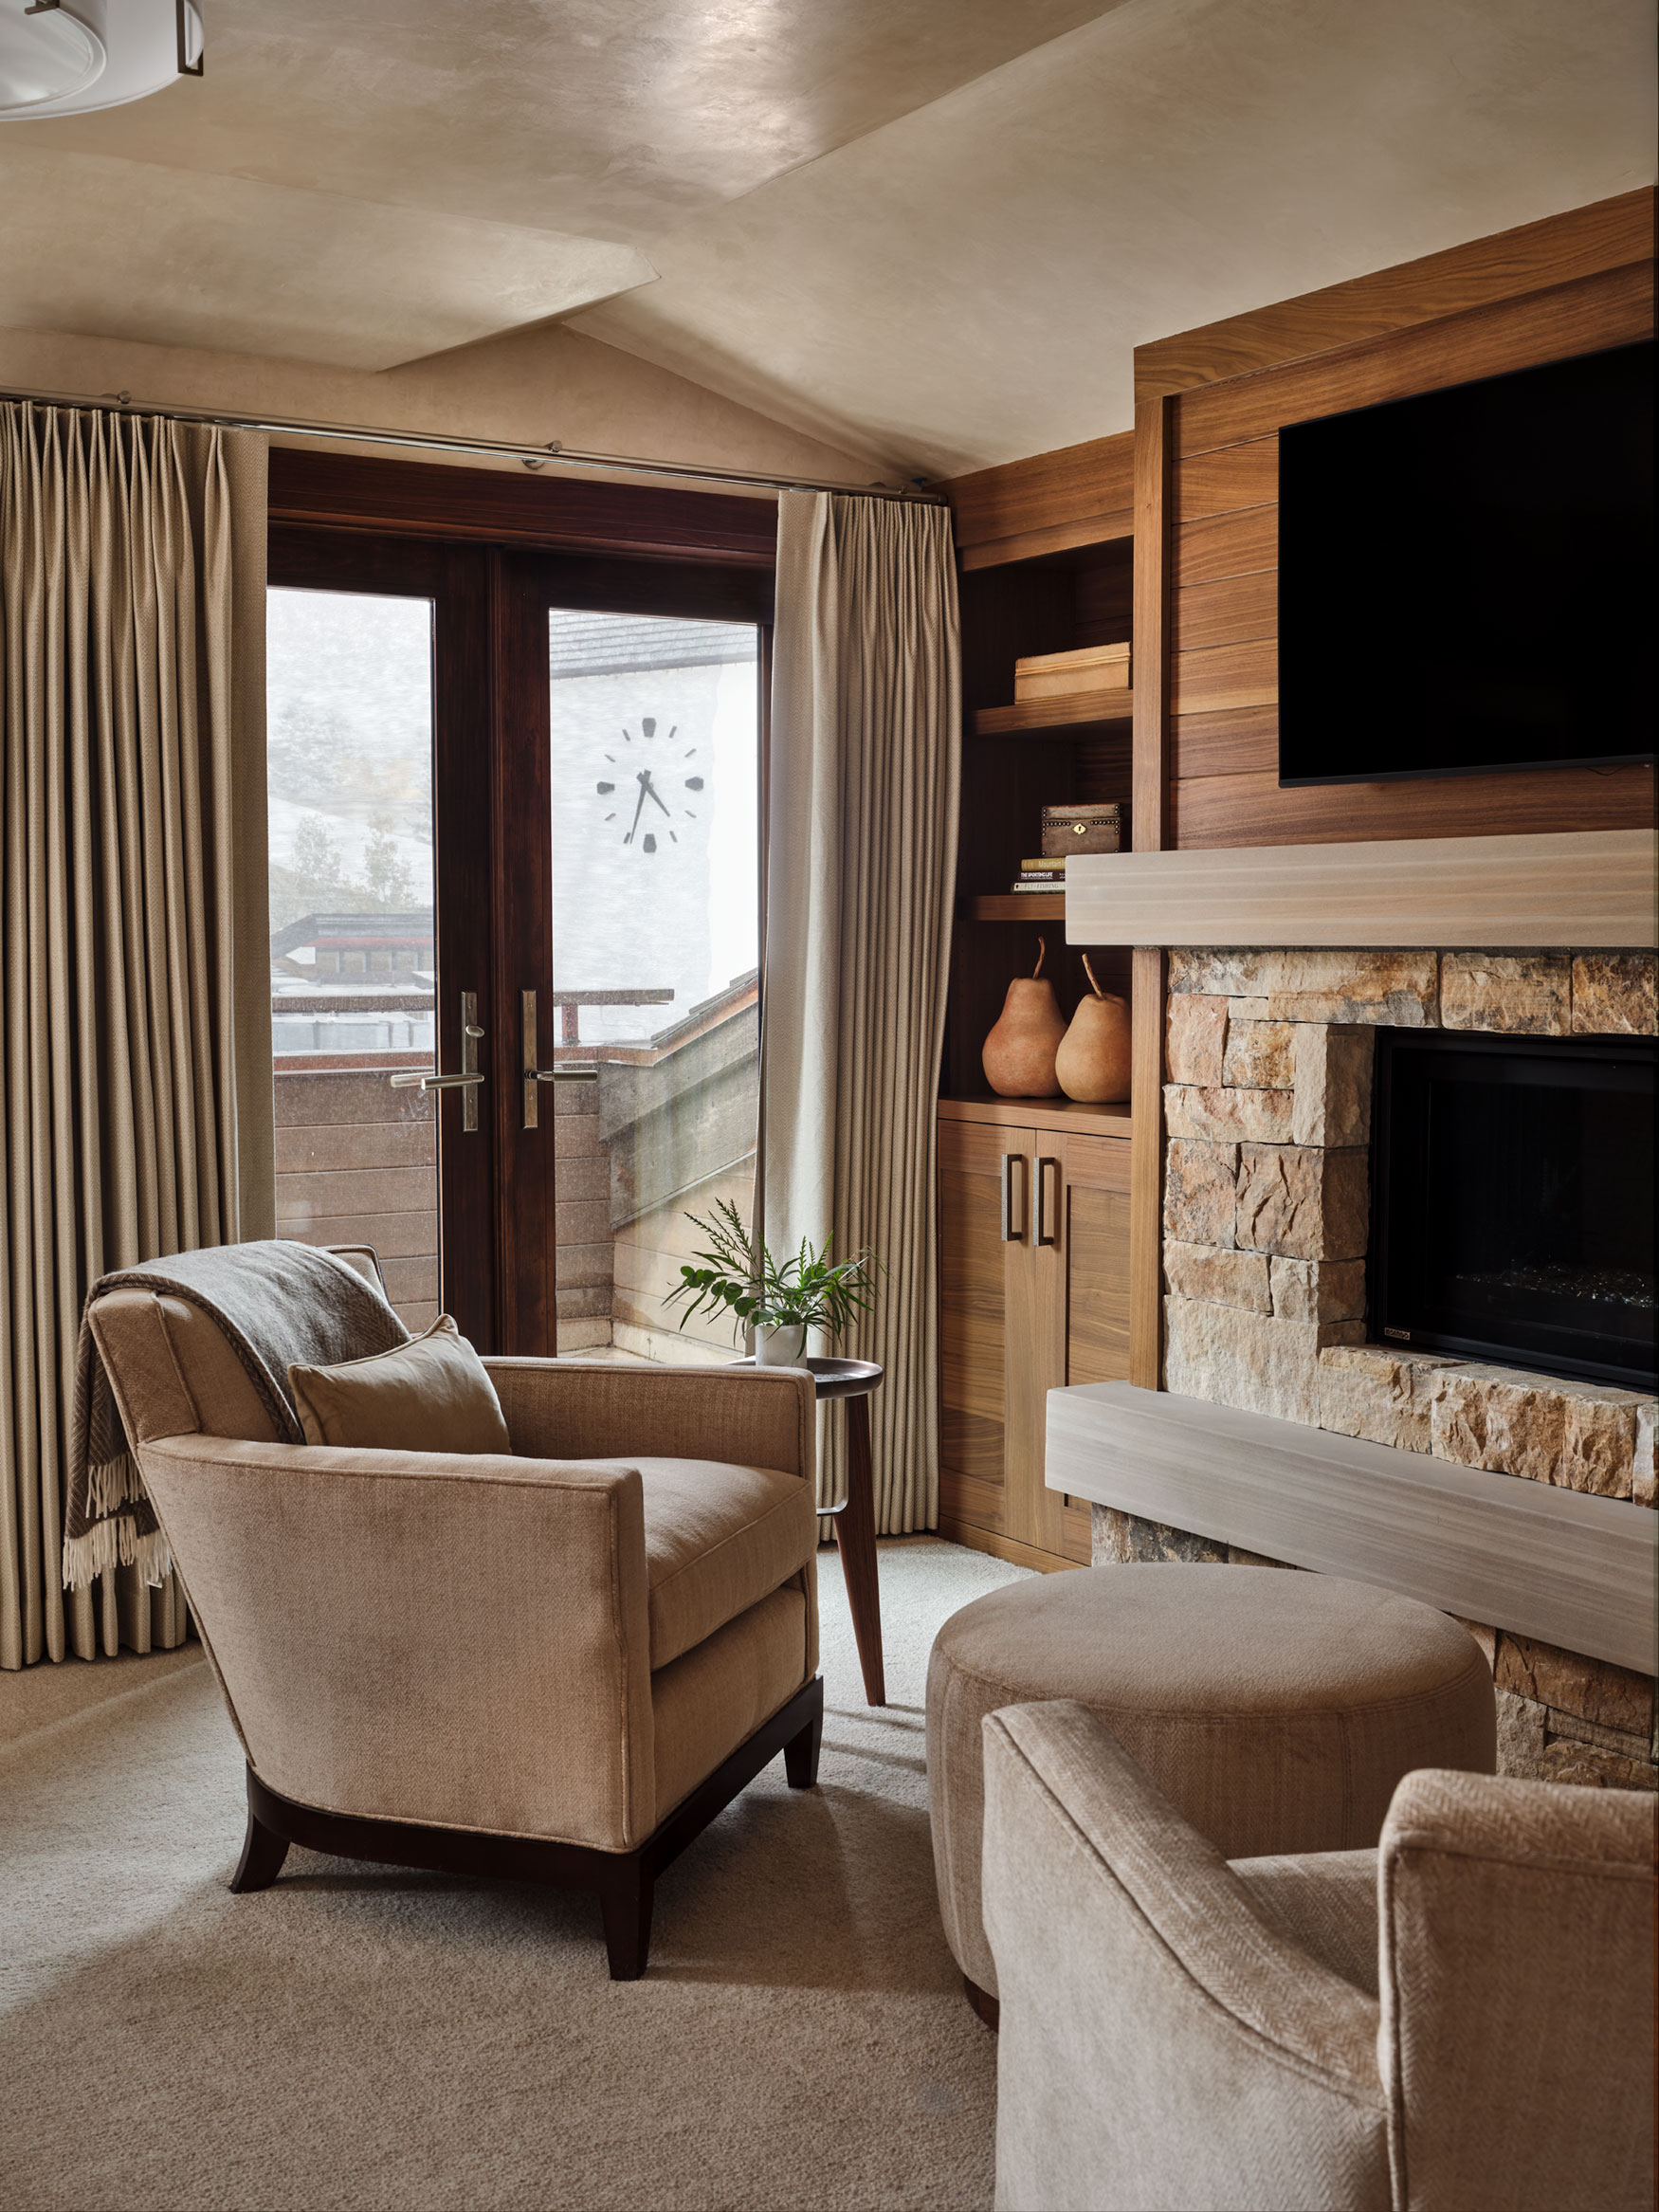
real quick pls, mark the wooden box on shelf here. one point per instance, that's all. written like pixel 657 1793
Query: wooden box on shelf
pixel 1092 667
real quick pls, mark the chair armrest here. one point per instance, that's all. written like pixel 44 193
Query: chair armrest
pixel 1518 1944
pixel 1163 2044
pixel 743 1416
pixel 412 1637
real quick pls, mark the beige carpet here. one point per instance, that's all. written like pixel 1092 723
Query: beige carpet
pixel 366 2038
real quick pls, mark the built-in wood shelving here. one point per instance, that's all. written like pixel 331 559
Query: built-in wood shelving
pixel 1082 710
pixel 1039 1113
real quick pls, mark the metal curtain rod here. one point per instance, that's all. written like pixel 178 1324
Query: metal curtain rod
pixel 533 456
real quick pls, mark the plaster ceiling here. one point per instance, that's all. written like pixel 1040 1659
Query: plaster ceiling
pixel 967 284
pixel 928 231
pixel 532 147
pixel 272 268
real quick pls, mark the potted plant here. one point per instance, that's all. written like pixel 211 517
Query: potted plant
pixel 779 1301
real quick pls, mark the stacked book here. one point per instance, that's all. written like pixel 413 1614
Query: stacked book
pixel 1041 875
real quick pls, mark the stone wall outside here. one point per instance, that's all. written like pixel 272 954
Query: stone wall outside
pixel 1265 1227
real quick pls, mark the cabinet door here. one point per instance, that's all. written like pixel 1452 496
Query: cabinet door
pixel 975 1265
pixel 1096 1219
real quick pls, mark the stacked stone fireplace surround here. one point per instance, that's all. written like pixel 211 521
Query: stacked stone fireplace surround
pixel 1266 1226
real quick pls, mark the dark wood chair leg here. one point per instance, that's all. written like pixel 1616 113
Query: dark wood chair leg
pixel 626 1903
pixel 800 1754
pixel 855 1535
pixel 263 1852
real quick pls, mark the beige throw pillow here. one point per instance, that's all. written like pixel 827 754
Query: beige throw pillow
pixel 432 1395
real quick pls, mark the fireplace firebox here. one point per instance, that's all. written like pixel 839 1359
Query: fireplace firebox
pixel 1512 1200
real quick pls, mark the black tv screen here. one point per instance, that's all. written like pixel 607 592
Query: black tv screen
pixel 1466 578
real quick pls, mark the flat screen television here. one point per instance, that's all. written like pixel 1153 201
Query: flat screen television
pixel 1465 577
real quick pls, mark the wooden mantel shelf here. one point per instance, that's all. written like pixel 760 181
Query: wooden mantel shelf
pixel 1591 888
pixel 1574 1570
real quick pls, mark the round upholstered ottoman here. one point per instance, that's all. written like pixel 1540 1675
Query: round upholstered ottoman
pixel 1276 1710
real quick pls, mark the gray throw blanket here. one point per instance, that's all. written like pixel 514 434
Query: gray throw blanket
pixel 277 1304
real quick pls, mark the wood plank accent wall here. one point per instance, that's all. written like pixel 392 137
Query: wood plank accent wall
pixel 1568 286
pixel 1079 495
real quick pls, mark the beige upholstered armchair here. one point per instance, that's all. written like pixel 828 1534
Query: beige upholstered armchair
pixel 557 1665
pixel 1458 2021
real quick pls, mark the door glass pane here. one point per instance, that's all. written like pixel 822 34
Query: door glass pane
pixel 349 747
pixel 656 902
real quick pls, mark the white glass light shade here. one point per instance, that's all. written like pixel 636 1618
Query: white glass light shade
pixel 135 43
pixel 44 58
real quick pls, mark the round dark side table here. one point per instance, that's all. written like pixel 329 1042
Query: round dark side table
pixel 855 1517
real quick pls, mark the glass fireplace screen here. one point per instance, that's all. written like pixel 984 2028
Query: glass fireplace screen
pixel 1513 1201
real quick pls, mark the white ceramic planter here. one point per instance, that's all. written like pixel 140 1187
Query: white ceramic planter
pixel 780 1347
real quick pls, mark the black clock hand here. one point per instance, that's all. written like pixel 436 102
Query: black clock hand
pixel 643 779
pixel 651 788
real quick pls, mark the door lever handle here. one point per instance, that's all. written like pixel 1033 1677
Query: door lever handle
pixel 533 1075
pixel 469 1078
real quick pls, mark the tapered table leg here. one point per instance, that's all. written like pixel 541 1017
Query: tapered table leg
pixel 855 1535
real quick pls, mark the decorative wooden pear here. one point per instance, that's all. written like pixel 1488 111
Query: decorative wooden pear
pixel 1093 1061
pixel 1019 1052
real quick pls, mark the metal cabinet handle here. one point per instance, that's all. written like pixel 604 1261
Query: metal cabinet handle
pixel 1045 1228
pixel 1012 1231
pixel 531 1073
pixel 469 1077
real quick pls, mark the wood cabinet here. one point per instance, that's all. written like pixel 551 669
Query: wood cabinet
pixel 1033 1224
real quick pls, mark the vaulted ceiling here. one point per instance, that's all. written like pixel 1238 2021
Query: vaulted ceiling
pixel 928 231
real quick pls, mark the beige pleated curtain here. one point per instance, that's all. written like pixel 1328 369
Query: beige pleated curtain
pixel 135 992
pixel 861 865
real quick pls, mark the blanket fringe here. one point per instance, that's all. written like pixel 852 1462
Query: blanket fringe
pixel 112 1544
pixel 111 1484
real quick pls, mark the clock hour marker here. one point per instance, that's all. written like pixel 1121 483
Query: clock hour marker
pixel 694 783
pixel 649 725
pixel 605 789
pixel 650 843
pixel 672 839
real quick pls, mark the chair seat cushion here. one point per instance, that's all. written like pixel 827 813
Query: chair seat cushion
pixel 719 1539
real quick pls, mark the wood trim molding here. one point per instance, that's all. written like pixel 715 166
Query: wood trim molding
pixel 1146 1002
pixel 974 1538
pixel 1588 889
pixel 1557 250
pixel 1150 828
pixel 1048 503
pixel 416 499
pixel 1574 1570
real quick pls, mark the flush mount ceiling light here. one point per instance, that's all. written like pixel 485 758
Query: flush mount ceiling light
pixel 70 57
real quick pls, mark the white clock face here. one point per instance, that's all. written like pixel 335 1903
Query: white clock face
pixel 655 790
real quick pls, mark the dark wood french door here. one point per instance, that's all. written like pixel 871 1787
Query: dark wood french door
pixel 490 987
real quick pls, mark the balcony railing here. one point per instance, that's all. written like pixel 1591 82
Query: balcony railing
pixel 669 1128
